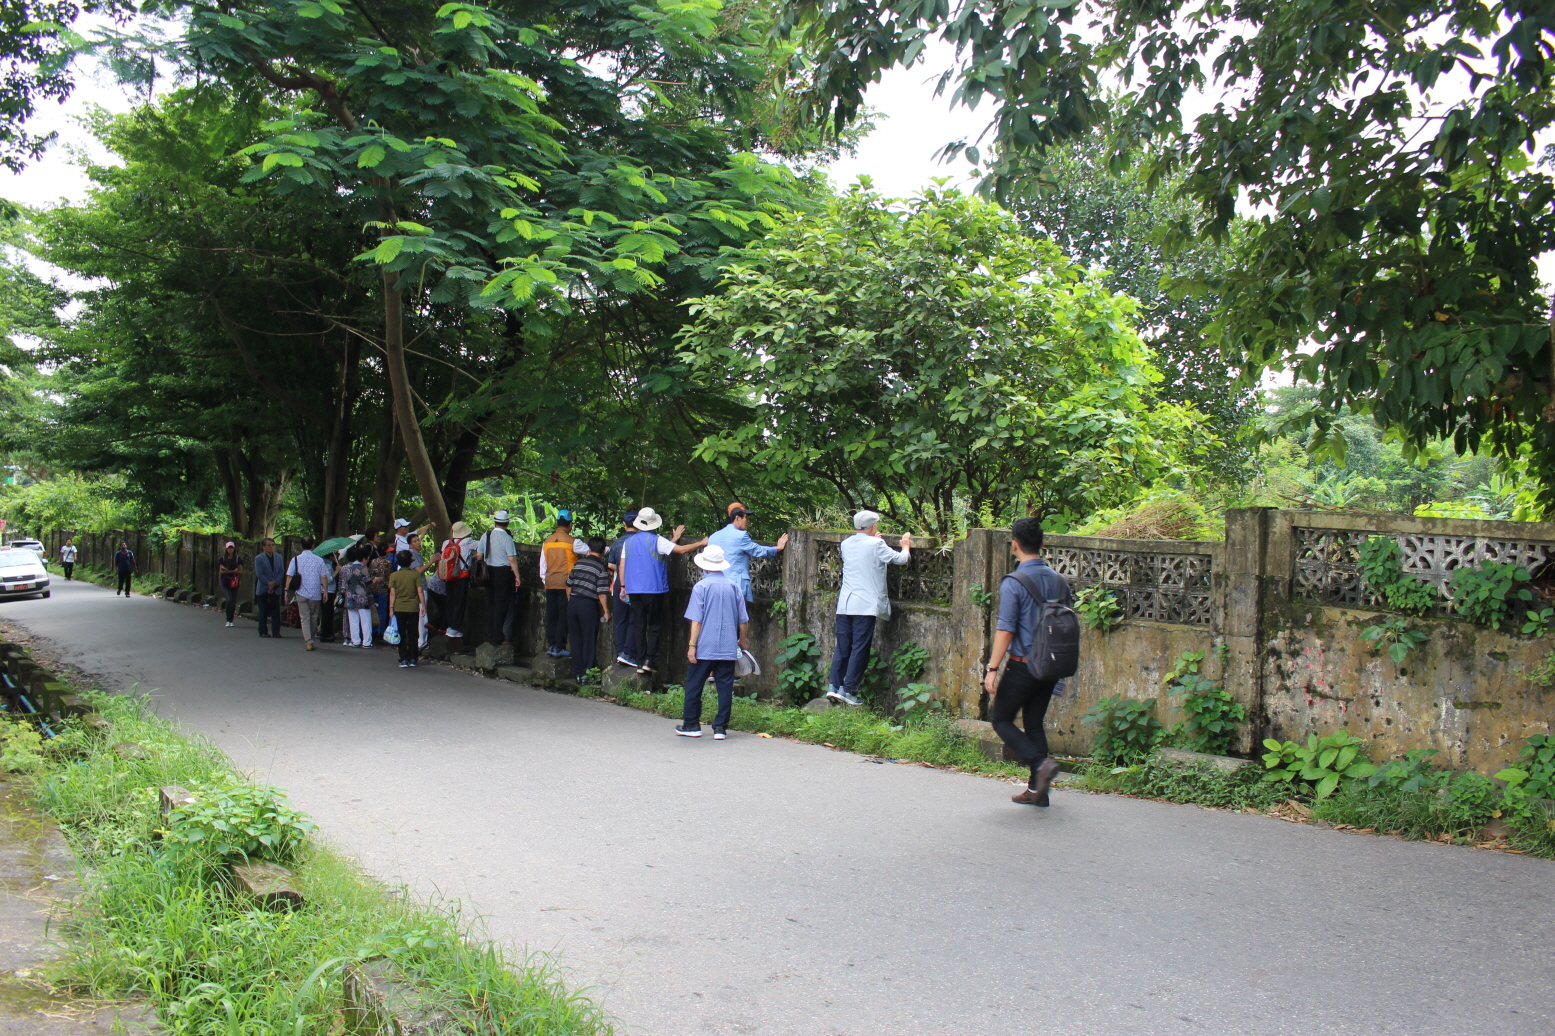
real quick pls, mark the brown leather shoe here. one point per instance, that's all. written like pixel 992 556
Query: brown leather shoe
pixel 1029 798
pixel 1046 771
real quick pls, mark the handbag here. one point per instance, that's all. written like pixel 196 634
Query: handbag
pixel 293 615
pixel 296 578
pixel 480 572
pixel 746 664
pixel 391 634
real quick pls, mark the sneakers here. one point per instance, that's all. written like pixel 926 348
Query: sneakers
pixel 833 693
pixel 309 645
pixel 645 669
pixel 685 731
pixel 550 652
pixel 404 663
pixel 719 734
pixel 412 664
pixel 230 625
pixel 623 660
pixel 844 697
pixel 563 653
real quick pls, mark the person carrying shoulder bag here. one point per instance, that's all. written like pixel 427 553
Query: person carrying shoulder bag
pixel 1042 623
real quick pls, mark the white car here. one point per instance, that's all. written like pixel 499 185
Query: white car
pixel 36 545
pixel 22 573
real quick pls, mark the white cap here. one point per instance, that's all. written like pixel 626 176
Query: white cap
pixel 864 519
pixel 400 523
pixel 648 519
pixel 712 559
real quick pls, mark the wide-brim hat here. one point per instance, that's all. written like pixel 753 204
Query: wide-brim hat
pixel 460 531
pixel 712 559
pixel 501 516
pixel 647 520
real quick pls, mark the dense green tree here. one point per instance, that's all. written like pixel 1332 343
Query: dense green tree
pixel 929 359
pixel 1388 155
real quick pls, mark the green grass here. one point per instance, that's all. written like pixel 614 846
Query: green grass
pixel 152 924
pixel 1201 785
pixel 932 739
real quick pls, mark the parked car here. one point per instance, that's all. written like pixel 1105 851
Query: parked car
pixel 36 545
pixel 22 573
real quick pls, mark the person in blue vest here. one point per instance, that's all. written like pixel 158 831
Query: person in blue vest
pixel 738 546
pixel 645 584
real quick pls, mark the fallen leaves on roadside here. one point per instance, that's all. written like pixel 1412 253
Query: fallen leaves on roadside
pixel 763 735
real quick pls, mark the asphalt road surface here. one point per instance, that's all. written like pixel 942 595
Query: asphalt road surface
pixel 762 886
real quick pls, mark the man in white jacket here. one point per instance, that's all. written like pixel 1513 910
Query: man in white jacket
pixel 861 600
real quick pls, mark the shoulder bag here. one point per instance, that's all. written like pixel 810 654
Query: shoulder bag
pixel 1055 643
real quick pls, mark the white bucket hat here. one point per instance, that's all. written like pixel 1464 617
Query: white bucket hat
pixel 648 519
pixel 500 516
pixel 712 559
pixel 864 519
pixel 580 547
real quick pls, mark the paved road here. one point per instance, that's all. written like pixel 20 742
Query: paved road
pixel 760 886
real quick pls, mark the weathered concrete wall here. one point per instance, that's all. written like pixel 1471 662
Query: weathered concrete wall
pixel 1278 607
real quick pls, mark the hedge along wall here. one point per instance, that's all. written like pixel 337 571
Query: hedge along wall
pixel 1279 607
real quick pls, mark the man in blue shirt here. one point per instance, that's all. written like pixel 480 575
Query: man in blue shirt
pixel 739 548
pixel 719 622
pixel 1019 691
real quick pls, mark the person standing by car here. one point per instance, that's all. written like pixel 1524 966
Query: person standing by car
pixel 67 556
pixel 861 601
pixel 124 564
pixel 269 578
pixel 231 566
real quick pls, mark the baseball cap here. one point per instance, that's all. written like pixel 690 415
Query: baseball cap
pixel 564 515
pixel 737 509
pixel 629 517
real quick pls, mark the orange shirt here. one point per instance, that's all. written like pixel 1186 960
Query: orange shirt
pixel 559 557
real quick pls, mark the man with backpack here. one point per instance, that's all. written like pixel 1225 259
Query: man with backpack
pixel 453 568
pixel 1040 633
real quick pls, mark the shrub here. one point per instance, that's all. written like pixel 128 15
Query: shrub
pixel 1098 608
pixel 1485 594
pixel 1211 715
pixel 1320 764
pixel 1382 569
pixel 799 676
pixel 238 820
pixel 1126 730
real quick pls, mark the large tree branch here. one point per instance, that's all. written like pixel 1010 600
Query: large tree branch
pixel 235 332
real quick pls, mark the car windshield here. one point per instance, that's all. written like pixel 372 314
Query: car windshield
pixel 10 558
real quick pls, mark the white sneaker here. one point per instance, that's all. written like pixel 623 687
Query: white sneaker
pixel 846 698
pixel 229 625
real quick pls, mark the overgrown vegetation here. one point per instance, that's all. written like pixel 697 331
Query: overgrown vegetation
pixel 1098 608
pixel 1210 715
pixel 1381 562
pixel 152 908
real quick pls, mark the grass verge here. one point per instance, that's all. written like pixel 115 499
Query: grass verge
pixel 932 739
pixel 155 922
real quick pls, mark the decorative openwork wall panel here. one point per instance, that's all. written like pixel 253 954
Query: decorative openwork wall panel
pixel 1328 569
pixel 1158 587
pixel 929 578
pixel 766 577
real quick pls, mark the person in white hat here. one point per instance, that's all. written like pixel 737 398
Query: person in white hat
pixel 501 555
pixel 645 584
pixel 453 567
pixel 719 623
pixel 401 528
pixel 861 600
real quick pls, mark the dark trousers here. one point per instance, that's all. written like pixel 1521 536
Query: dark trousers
pixel 722 672
pixel 124 583
pixel 69 567
pixel 499 602
pixel 327 618
pixel 1019 691
pixel 854 634
pixel 437 606
pixel 555 618
pixel 381 615
pixel 268 606
pixel 646 621
pixel 458 595
pixel 621 616
pixel 410 635
pixel 230 602
pixel 583 633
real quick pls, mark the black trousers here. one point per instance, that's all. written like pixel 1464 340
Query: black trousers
pixel 854 635
pixel 458 596
pixel 555 618
pixel 583 634
pixel 410 636
pixel 124 583
pixel 499 601
pixel 437 604
pixel 647 621
pixel 1020 692
pixel 621 616
pixel 722 672
pixel 69 566
pixel 268 607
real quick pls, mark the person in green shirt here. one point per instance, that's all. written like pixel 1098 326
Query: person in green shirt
pixel 406 599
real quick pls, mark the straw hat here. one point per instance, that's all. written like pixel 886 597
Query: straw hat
pixel 647 520
pixel 460 531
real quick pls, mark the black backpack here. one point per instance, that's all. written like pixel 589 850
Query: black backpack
pixel 1055 643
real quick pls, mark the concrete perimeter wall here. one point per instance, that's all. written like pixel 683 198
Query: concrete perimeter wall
pixel 1278 607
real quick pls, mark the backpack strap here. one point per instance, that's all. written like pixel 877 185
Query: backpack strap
pixel 1025 580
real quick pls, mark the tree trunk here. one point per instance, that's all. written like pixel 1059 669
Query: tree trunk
pixel 405 408
pixel 232 488
pixel 337 489
pixel 456 483
pixel 386 479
